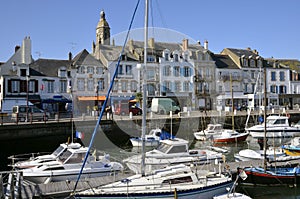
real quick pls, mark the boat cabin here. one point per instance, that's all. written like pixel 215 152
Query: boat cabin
pixel 175 145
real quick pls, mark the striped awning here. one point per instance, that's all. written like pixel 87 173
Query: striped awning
pixel 91 98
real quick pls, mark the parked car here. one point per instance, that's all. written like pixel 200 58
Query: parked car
pixel 125 109
pixel 20 113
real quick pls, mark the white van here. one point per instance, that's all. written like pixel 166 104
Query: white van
pixel 19 113
pixel 164 106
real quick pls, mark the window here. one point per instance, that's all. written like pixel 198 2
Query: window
pixel 166 56
pixel 15 86
pixel 151 75
pixel 90 70
pixel 186 70
pixel 80 84
pixel 245 62
pixel 81 70
pixel 186 86
pixel 23 72
pixel 177 86
pixel 63 86
pixel 166 70
pixel 253 87
pixel 101 85
pixel 273 76
pixel 124 86
pixel 166 86
pixel 176 71
pixel 116 86
pixel 62 73
pixel 176 57
pixel 259 63
pixel 120 70
pixel 133 86
pixel 50 86
pixel 128 70
pixel 252 74
pixel 252 62
pixel 207 73
pixel 282 76
pixel 150 58
pixel 99 70
pixel 273 88
pixel 282 89
pixel 178 180
pixel 245 88
pixel 90 85
pixel 178 149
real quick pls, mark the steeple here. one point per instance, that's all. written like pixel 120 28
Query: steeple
pixel 102 31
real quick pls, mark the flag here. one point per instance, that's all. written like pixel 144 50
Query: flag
pixel 79 135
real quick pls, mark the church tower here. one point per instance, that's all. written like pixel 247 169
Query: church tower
pixel 102 31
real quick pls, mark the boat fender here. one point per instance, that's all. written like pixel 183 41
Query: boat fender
pixel 288 115
pixel 193 152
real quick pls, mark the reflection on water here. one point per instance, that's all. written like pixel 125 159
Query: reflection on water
pixel 266 192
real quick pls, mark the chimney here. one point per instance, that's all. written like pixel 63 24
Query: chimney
pixel 17 48
pixel 113 42
pixel 255 51
pixel 206 45
pixel 70 56
pixel 185 44
pixel 151 42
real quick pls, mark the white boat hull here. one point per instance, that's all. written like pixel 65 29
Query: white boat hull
pixel 273 134
pixel 182 192
pixel 136 142
pixel 57 176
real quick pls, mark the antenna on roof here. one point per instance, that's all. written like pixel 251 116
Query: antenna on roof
pixel 38 53
pixel 73 45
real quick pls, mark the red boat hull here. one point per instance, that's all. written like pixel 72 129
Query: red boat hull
pixel 240 138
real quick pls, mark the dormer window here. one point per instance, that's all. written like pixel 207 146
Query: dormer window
pixel 62 72
pixel 252 63
pixel 176 57
pixel 90 70
pixel 245 62
pixel 150 58
pixel 81 70
pixel 166 55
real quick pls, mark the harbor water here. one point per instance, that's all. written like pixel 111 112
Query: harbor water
pixel 113 140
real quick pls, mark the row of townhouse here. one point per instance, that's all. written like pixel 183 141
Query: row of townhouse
pixel 190 73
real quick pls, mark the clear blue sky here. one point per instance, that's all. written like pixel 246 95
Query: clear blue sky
pixel 57 27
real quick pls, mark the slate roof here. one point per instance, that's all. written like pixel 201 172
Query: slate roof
pixel 48 67
pixel 85 58
pixel 224 61
pixel 241 52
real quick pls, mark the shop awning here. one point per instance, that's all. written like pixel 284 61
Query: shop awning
pixel 91 98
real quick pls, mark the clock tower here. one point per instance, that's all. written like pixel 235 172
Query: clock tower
pixel 102 31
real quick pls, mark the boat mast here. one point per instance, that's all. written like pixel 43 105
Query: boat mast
pixel 144 89
pixel 232 105
pixel 265 122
